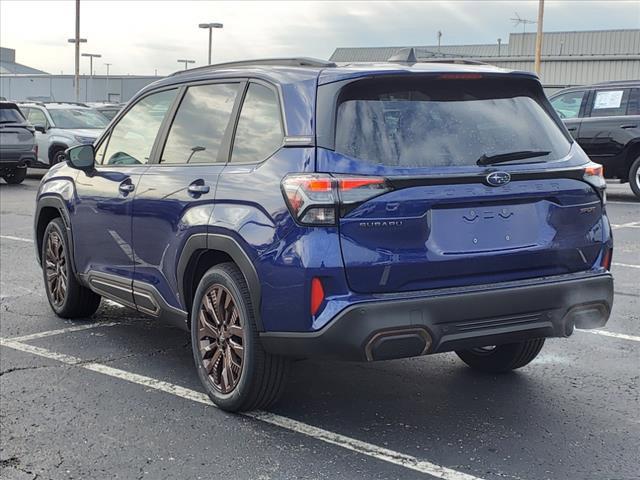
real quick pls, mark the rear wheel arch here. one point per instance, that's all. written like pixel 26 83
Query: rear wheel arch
pixel 203 251
pixel 46 211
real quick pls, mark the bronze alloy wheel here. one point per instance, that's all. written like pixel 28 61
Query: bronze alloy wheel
pixel 56 268
pixel 221 338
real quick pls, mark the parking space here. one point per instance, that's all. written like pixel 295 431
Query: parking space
pixel 118 397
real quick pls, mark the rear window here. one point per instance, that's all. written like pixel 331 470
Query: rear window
pixel 426 123
pixel 10 114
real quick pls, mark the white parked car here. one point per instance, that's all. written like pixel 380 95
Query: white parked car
pixel 60 126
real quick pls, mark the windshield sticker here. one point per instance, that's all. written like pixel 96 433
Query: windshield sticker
pixel 609 99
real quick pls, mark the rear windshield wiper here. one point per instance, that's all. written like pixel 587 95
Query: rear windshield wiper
pixel 507 157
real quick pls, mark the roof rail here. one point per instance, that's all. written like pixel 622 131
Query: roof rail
pixel 79 104
pixel 409 56
pixel 281 62
pixel 458 61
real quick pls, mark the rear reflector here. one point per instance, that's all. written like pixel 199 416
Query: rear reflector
pixel 606 259
pixel 317 295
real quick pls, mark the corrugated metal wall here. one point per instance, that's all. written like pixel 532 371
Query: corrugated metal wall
pixel 568 58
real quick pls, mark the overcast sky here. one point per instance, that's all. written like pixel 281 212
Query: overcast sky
pixel 138 37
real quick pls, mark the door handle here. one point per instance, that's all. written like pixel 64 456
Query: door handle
pixel 126 187
pixel 572 129
pixel 198 188
pixel 629 125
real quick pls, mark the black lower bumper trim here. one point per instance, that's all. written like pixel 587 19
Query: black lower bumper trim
pixel 440 323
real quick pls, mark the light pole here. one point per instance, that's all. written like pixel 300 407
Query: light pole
pixel 210 27
pixel 91 57
pixel 77 40
pixel 107 86
pixel 186 62
pixel 538 53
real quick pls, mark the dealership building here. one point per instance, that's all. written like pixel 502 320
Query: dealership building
pixel 20 82
pixel 568 58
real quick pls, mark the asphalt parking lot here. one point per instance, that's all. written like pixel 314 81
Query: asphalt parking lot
pixel 117 396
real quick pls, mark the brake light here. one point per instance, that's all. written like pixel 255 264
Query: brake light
pixel 315 199
pixel 460 76
pixel 317 295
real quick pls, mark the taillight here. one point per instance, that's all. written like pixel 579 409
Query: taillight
pixel 594 176
pixel 317 295
pixel 315 199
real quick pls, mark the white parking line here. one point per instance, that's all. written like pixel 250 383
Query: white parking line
pixel 626 225
pixel 75 328
pixel 17 239
pixel 605 333
pixel 358 446
pixel 623 203
pixel 627 265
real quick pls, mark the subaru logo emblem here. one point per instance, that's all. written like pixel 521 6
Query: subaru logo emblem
pixel 497 179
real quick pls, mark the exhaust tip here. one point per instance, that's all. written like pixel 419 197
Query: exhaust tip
pixel 398 343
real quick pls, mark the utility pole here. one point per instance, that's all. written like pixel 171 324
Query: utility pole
pixel 77 40
pixel 499 45
pixel 539 38
pixel 107 86
pixel 186 62
pixel 210 27
pixel 439 37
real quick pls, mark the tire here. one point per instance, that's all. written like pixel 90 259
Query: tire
pixel 16 176
pixel 57 156
pixel 502 358
pixel 634 177
pixel 68 299
pixel 260 377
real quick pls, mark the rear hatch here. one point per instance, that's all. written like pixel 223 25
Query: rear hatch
pixel 15 135
pixel 459 180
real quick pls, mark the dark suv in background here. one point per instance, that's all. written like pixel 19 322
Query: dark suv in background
pixel 18 148
pixel 605 120
pixel 296 208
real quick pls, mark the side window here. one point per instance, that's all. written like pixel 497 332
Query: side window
pixel 199 126
pixel 133 136
pixel 568 105
pixel 633 107
pixel 610 103
pixel 259 131
pixel 36 117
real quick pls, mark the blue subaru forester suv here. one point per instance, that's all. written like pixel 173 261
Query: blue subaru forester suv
pixel 295 208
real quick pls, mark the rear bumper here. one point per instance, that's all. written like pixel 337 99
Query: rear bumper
pixel 496 314
pixel 11 160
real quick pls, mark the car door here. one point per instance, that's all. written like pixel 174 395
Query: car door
pixel 102 217
pixel 603 134
pixel 570 107
pixel 37 117
pixel 175 197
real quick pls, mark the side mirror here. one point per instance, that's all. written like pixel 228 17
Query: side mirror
pixel 40 128
pixel 82 157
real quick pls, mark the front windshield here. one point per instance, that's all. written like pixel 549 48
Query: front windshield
pixel 74 118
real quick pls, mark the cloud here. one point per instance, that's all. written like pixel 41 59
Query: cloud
pixel 140 36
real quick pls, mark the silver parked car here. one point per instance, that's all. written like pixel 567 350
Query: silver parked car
pixel 60 126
